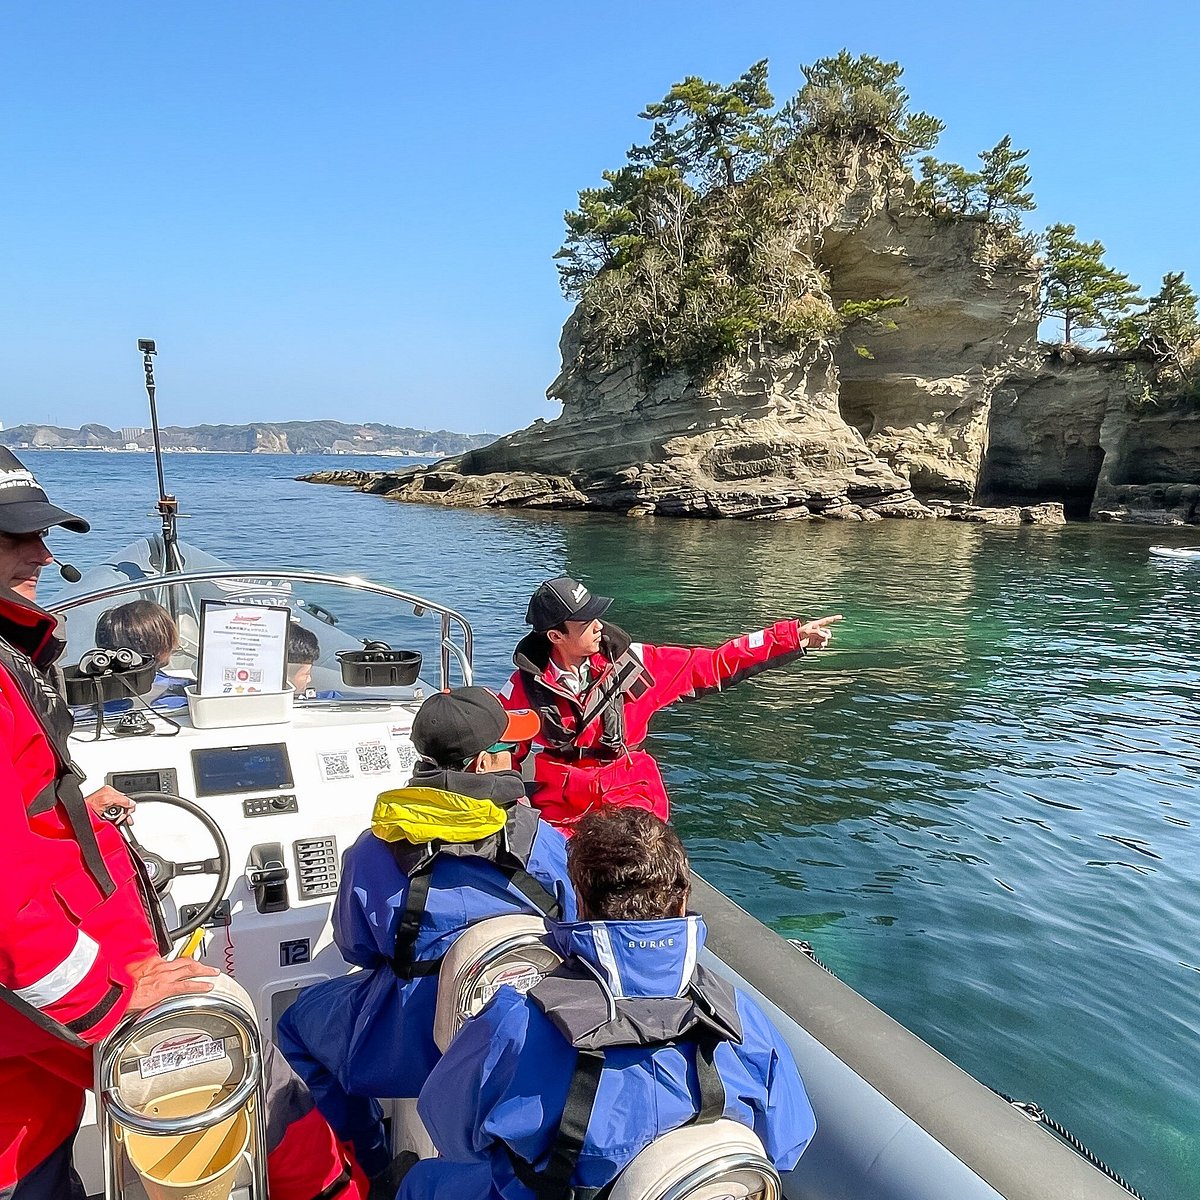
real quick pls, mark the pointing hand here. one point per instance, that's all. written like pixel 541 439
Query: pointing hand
pixel 817 634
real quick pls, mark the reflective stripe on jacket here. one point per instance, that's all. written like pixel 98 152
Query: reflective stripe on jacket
pixel 68 932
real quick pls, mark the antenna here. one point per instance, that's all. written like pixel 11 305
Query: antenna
pixel 168 506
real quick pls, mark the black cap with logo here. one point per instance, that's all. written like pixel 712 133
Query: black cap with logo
pixel 24 506
pixel 452 727
pixel 563 599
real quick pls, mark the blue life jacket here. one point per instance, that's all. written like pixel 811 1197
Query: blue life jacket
pixel 399 909
pixel 555 1092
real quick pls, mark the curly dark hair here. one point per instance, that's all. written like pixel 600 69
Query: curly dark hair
pixel 627 865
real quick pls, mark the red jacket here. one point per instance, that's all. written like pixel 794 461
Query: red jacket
pixel 72 923
pixel 64 943
pixel 591 744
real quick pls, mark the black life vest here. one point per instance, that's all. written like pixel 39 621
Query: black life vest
pixel 592 1021
pixel 626 676
pixel 508 850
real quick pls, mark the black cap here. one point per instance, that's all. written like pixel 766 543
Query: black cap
pixel 452 727
pixel 24 506
pixel 563 599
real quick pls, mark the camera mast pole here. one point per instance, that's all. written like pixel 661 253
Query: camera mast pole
pixel 168 506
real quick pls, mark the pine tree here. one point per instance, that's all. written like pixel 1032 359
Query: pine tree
pixel 1000 189
pixel 712 132
pixel 703 241
pixel 860 99
pixel 1004 181
pixel 1169 318
pixel 951 187
pixel 1079 288
pixel 1169 325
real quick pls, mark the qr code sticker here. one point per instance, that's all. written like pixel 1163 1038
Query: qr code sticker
pixel 406 756
pixel 335 765
pixel 373 758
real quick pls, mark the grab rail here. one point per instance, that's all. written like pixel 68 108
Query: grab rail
pixel 449 617
pixel 111 1108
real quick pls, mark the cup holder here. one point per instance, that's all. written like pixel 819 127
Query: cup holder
pixel 379 668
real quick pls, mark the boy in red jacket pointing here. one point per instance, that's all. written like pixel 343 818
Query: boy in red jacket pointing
pixel 596 691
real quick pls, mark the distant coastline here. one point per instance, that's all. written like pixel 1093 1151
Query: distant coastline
pixel 268 437
pixel 26 448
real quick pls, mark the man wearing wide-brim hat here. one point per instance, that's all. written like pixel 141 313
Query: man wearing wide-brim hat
pixel 596 690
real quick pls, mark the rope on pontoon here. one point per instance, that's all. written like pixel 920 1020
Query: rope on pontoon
pixel 806 948
pixel 1035 1112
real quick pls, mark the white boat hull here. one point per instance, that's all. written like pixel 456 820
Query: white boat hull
pixel 1186 554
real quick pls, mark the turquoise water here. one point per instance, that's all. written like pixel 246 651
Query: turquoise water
pixel 981 806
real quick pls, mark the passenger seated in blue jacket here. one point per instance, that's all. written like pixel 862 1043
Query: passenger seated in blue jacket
pixel 629 1007
pixel 455 846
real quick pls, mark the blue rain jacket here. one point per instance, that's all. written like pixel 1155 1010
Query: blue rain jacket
pixel 506 1076
pixel 373 1031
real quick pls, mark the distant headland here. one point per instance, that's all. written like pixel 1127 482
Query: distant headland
pixel 266 437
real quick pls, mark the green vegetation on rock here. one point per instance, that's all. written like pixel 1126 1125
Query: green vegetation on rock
pixel 703 243
pixel 1170 327
pixel 707 241
pixel 999 189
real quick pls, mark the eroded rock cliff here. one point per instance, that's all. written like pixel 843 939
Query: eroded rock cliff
pixel 1085 429
pixel 767 436
pixel 922 398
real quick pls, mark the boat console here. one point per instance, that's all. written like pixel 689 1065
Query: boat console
pixel 287 791
pixel 288 799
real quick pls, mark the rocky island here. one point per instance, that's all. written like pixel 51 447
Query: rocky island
pixel 778 319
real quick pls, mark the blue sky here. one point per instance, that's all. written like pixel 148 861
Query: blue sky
pixel 348 208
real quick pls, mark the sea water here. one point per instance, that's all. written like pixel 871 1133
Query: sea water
pixel 981 806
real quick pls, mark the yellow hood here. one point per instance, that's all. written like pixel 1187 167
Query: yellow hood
pixel 425 814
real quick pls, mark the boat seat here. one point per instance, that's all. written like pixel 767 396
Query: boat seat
pixel 719 1160
pixel 212 1065
pixel 487 955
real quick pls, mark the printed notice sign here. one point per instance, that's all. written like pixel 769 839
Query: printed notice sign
pixel 243 648
pixel 175 1054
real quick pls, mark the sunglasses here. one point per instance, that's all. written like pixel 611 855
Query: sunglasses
pixel 37 536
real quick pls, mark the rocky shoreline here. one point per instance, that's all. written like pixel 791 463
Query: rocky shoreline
pixel 521 491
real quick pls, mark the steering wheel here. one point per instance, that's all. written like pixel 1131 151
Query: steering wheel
pixel 163 871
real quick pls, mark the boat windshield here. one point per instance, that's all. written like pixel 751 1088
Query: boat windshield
pixel 337 627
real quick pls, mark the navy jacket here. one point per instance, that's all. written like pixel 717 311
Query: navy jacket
pixel 379 1035
pixel 504 1079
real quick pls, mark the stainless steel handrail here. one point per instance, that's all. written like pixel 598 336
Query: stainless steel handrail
pixel 449 616
pixel 464 663
pixel 712 1170
pixel 111 1108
